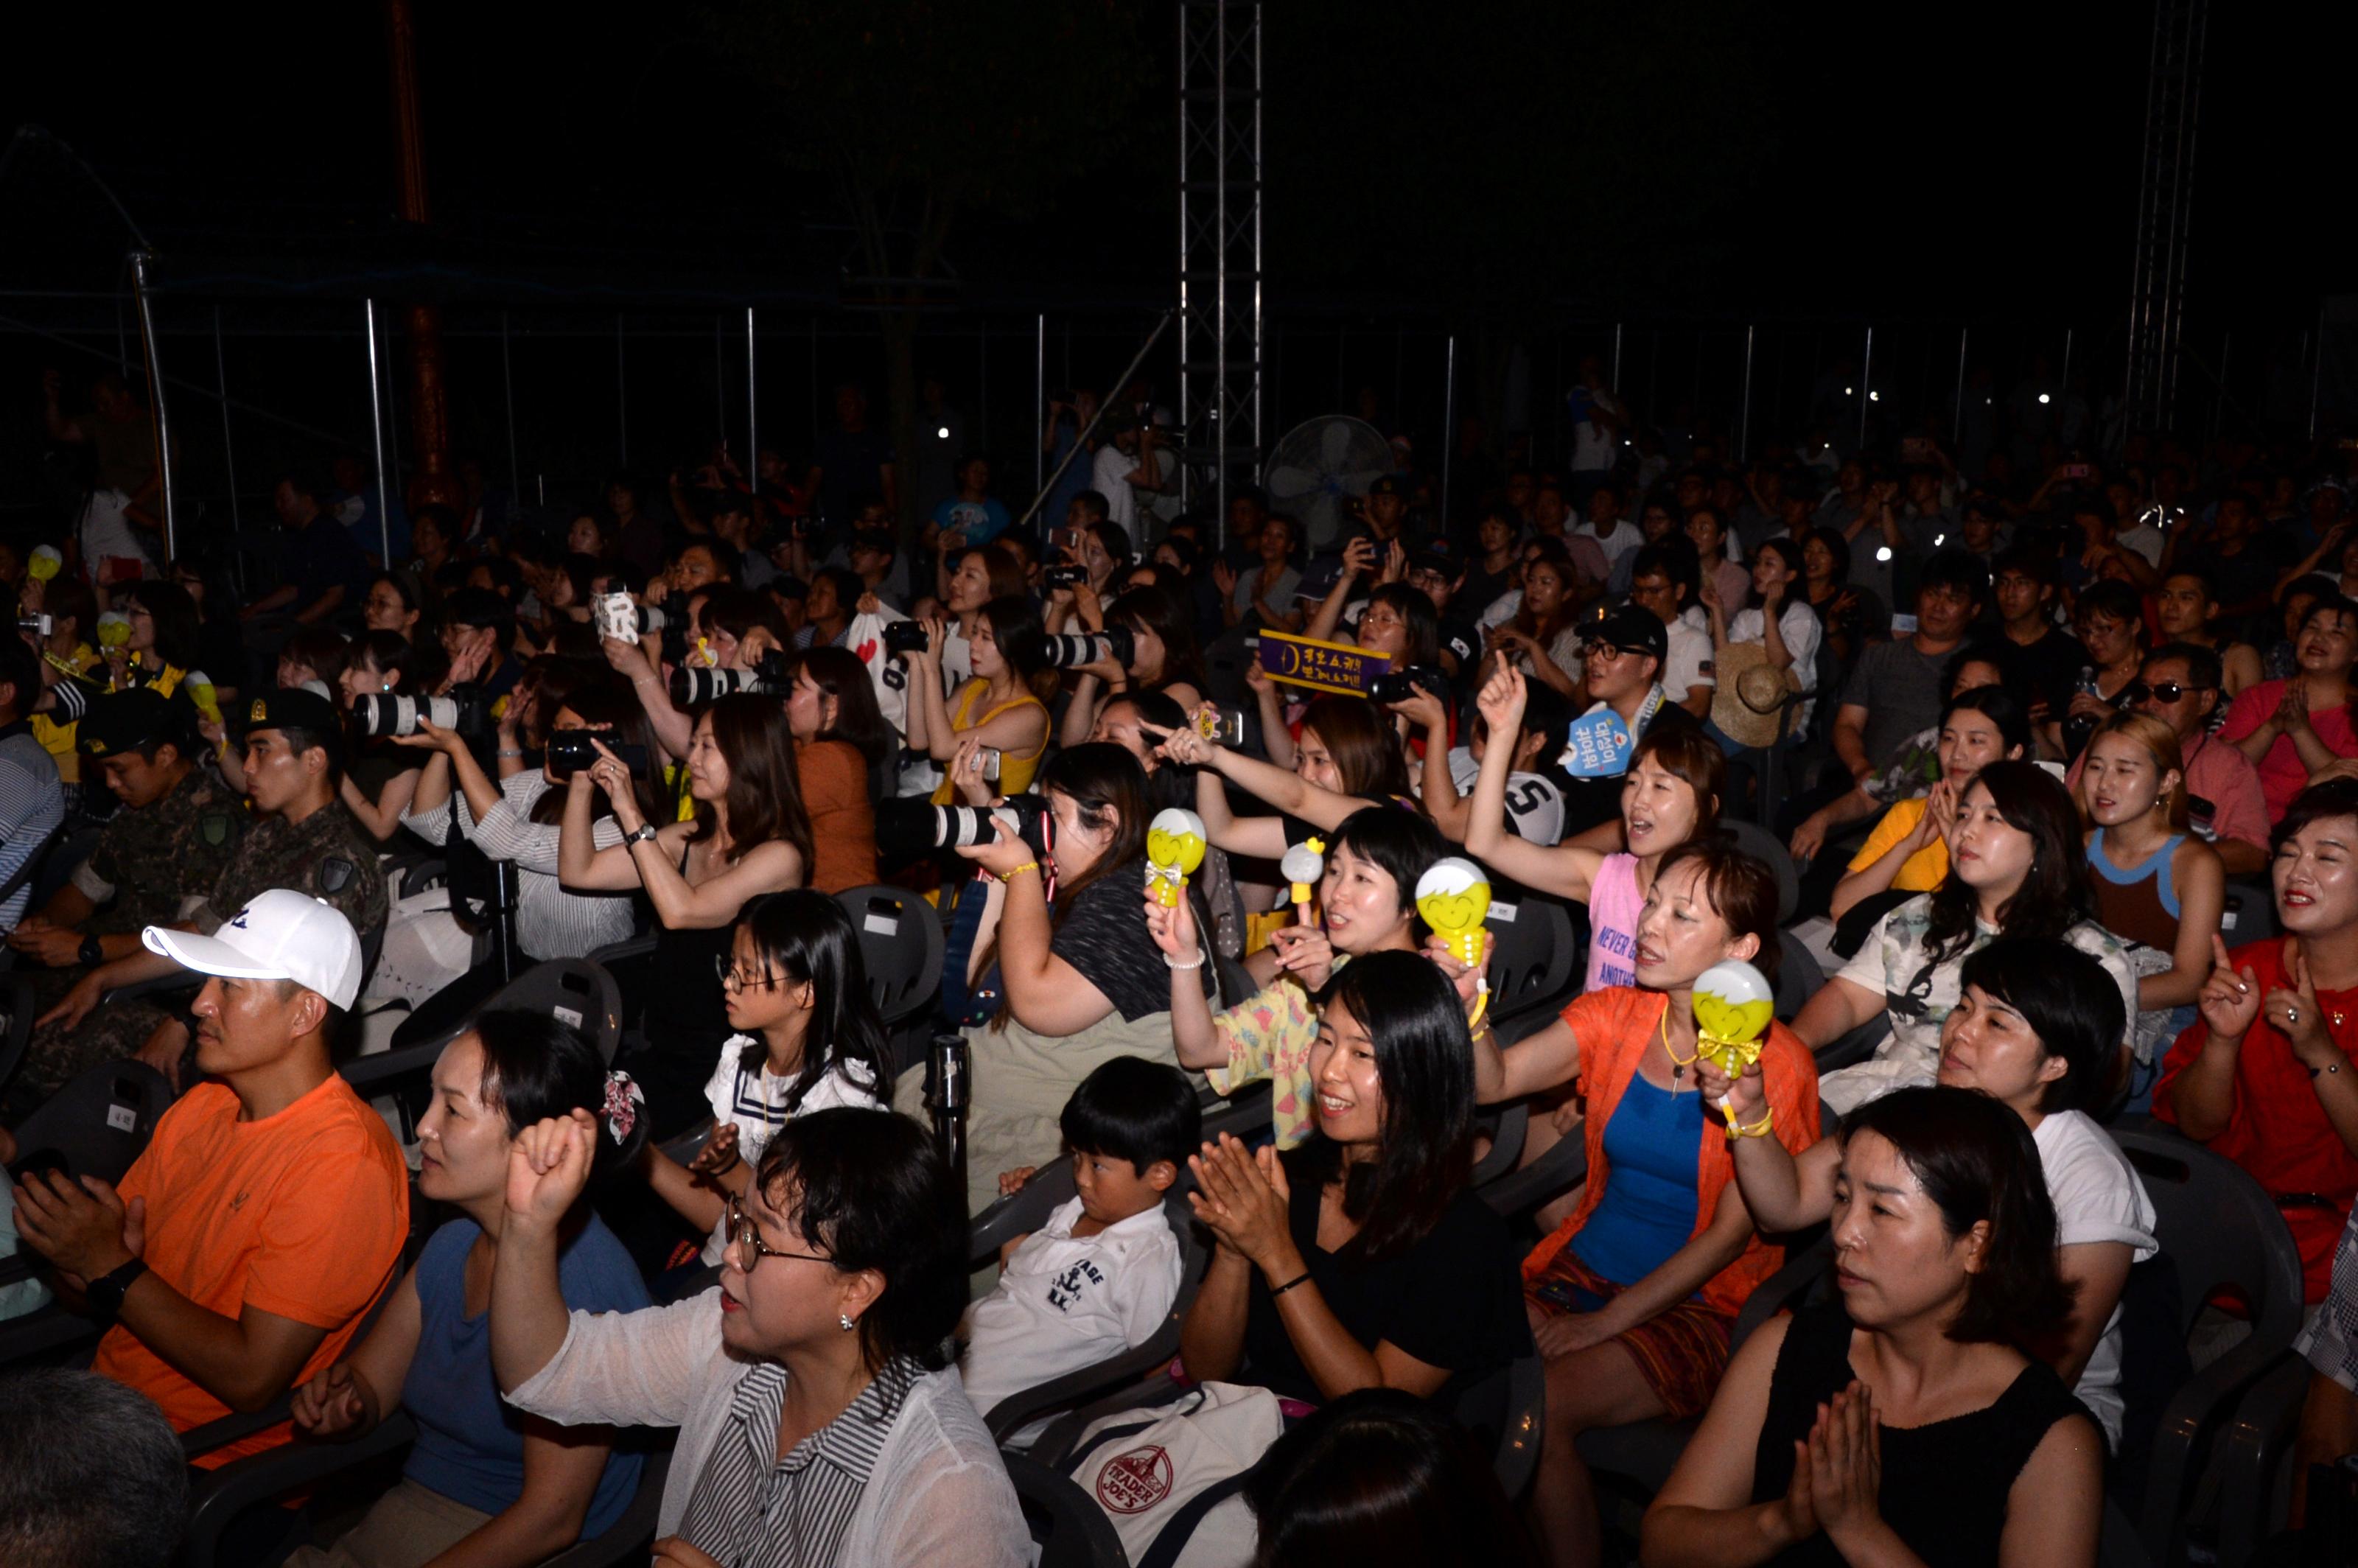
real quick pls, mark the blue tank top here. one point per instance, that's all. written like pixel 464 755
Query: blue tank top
pixel 1651 1148
pixel 470 1444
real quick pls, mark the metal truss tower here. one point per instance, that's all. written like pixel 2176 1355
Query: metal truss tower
pixel 1220 440
pixel 2165 202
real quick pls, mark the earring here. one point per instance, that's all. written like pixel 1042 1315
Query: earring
pixel 844 1318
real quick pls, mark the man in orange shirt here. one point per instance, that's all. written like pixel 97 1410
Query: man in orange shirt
pixel 269 1210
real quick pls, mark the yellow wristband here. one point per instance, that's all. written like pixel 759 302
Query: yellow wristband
pixel 1010 875
pixel 1760 1129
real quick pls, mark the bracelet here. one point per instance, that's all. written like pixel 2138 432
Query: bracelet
pixel 509 753
pixel 2329 1068
pixel 1170 962
pixel 1760 1129
pixel 1011 873
pixel 1288 1284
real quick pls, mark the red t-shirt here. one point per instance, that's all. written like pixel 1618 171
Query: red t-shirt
pixel 2277 1130
pixel 2282 772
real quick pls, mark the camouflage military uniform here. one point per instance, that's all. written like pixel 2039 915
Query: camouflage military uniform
pixel 326 854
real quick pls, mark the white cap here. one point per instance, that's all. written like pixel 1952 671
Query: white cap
pixel 281 936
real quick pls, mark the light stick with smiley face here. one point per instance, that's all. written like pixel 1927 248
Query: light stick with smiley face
pixel 1733 1005
pixel 1175 847
pixel 1303 866
pixel 1454 897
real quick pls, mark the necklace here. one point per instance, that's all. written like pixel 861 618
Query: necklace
pixel 1678 1068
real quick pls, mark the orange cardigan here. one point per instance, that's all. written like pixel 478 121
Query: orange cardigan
pixel 1613 1028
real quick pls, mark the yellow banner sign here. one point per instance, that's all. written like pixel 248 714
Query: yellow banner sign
pixel 1321 666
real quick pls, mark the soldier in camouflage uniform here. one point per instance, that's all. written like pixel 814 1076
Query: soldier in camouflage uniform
pixel 176 834
pixel 302 838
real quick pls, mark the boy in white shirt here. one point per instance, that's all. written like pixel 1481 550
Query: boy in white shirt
pixel 1100 1275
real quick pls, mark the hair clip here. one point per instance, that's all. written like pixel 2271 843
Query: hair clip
pixel 623 1098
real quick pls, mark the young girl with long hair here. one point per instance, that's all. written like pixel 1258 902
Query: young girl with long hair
pixel 808 1039
pixel 842 746
pixel 1164 657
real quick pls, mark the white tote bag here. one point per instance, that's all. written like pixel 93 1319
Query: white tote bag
pixel 1145 1467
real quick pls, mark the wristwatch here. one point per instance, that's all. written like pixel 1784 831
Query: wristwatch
pixel 639 835
pixel 93 952
pixel 106 1291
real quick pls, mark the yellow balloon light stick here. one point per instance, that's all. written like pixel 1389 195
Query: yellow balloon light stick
pixel 113 629
pixel 200 688
pixel 45 563
pixel 1175 847
pixel 1454 897
pixel 1733 1005
pixel 1303 864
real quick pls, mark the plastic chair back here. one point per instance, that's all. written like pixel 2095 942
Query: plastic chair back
pixel 1798 977
pixel 901 942
pixel 575 991
pixel 98 1124
pixel 1767 848
pixel 1531 961
pixel 1066 1524
pixel 2249 914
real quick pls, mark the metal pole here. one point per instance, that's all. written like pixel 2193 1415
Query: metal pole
pixel 229 447
pixel 507 397
pixel 139 260
pixel 1866 380
pixel 1448 424
pixel 1744 416
pixel 376 435
pixel 1957 427
pixel 2219 403
pixel 2066 378
pixel 1040 398
pixel 622 394
pixel 1615 387
pixel 2316 378
pixel 752 408
pixel 1081 436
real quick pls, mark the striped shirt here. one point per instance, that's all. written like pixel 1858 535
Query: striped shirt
pixel 753 1508
pixel 551 922
pixel 32 805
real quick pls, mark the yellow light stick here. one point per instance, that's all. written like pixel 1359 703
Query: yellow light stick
pixel 200 688
pixel 113 629
pixel 1303 864
pixel 1175 847
pixel 1454 897
pixel 45 563
pixel 1733 1004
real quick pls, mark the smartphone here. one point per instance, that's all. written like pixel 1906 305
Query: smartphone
pixel 2076 470
pixel 1904 623
pixel 987 763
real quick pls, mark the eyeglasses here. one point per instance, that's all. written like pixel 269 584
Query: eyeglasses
pixel 749 1245
pixel 2162 690
pixel 734 978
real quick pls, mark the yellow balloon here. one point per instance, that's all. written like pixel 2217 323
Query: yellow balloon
pixel 1454 897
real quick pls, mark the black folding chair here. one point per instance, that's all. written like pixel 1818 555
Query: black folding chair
pixel 901 942
pixel 1066 1524
pixel 574 991
pixel 1531 957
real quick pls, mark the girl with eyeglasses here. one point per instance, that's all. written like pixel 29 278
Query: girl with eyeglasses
pixel 808 1039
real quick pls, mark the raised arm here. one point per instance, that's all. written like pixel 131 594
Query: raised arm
pixel 1359 560
pixel 1567 871
pixel 1193 1033
pixel 1784 1191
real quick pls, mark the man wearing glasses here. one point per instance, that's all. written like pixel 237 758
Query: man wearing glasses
pixel 2178 684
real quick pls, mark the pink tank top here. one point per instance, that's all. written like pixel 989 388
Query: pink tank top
pixel 1613 905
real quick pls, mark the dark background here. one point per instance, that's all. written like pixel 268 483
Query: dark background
pixel 1523 174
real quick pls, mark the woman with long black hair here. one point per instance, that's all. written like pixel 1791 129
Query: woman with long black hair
pixel 1163 658
pixel 2017 868
pixel 1361 1259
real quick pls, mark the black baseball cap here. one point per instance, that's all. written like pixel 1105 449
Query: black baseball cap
pixel 291 707
pixel 126 720
pixel 1387 484
pixel 1633 630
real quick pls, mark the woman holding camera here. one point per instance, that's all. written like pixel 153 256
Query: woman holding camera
pixel 1543 637
pixel 749 836
pixel 728 629
pixel 1163 656
pixel 982 574
pixel 1075 984
pixel 515 819
pixel 383 776
pixel 842 746
pixel 997 708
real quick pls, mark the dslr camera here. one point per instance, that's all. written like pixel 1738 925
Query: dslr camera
pixel 693 688
pixel 467 711
pixel 1115 643
pixel 570 751
pixel 1401 685
pixel 1063 577
pixel 961 825
pixel 39 625
pixel 620 621
pixel 905 637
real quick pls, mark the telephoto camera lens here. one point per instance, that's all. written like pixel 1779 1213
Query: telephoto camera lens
pixel 386 713
pixel 694 688
pixel 1070 652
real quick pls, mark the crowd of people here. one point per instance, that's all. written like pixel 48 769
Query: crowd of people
pixel 1976 756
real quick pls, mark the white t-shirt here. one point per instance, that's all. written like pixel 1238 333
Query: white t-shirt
pixel 1798 624
pixel 1689 656
pixel 1593 443
pixel 1625 537
pixel 2097 1197
pixel 1064 1302
pixel 754 1100
pixel 1109 477
pixel 1534 806
pixel 2144 538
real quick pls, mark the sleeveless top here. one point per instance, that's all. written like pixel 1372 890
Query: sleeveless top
pixel 1613 905
pixel 686 1019
pixel 2141 902
pixel 1014 773
pixel 1944 1485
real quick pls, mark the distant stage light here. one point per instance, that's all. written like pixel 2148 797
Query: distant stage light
pixel 944 433
pixel 2044 398
pixel 1883 553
